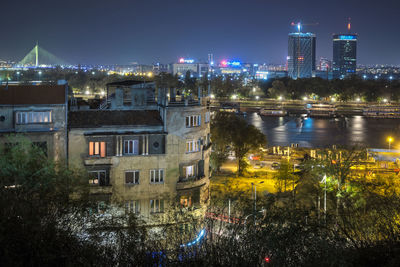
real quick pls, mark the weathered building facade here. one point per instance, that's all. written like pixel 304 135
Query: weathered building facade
pixel 39 112
pixel 145 155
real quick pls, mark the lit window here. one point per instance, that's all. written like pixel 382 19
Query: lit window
pixel 186 201
pixel 156 205
pixel 192 146
pixel 157 176
pixel 131 147
pixel 97 149
pixel 188 171
pixel 132 177
pixel 193 121
pixel 98 178
pixel 132 206
pixel 25 117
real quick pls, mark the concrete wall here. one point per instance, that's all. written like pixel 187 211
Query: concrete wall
pixel 175 155
pixel 53 133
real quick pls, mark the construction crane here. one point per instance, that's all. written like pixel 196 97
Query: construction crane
pixel 299 25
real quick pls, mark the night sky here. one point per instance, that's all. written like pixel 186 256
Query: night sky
pixel 147 31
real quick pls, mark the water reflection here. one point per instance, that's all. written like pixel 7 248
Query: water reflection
pixel 316 132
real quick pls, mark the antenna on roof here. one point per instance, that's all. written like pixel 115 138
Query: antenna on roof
pixel 349 25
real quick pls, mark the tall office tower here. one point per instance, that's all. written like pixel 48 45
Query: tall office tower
pixel 301 55
pixel 344 55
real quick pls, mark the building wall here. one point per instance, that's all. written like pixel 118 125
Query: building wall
pixel 171 161
pixel 301 55
pixel 53 133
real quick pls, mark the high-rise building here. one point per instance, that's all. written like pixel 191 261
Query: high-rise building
pixel 301 55
pixel 324 64
pixel 344 55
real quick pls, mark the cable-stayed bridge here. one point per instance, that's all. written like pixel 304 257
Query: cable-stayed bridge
pixel 40 57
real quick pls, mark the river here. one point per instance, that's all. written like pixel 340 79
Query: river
pixel 320 132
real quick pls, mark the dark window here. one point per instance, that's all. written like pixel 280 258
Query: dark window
pixel 132 177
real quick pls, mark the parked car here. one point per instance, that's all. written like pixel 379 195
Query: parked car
pixel 275 166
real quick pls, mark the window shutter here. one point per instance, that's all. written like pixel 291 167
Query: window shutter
pixel 135 147
pixel 103 149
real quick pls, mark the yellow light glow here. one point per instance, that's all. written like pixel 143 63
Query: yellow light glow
pixel 390 139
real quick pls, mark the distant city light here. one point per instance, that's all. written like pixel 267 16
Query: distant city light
pixel 358 99
pixel 385 100
pixel 40 73
pixel 347 37
pixel 254 89
pixel 305 98
pixel 93 73
pixel 103 93
pixel 280 98
pixel 376 76
pixel 257 97
pixel 212 96
pixel 187 61
pixel 365 76
pixel 391 77
pixel 234 96
pixel 87 92
pixel 333 99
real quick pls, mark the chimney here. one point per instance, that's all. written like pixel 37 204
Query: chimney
pixel 118 101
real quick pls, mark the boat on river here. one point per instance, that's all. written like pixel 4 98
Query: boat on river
pixel 382 111
pixel 273 112
pixel 321 110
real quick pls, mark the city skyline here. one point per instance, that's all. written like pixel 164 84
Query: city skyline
pixel 117 33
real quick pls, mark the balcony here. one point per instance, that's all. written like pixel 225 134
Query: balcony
pixel 192 182
pixel 98 161
pixel 97 189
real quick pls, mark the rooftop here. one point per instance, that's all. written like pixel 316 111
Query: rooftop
pixel 98 118
pixel 128 83
pixel 32 94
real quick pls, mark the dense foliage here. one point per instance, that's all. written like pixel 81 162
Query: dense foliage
pixel 230 132
pixel 345 90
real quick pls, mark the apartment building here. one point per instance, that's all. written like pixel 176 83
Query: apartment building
pixel 39 112
pixel 145 154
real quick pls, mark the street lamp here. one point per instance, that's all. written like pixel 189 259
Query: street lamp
pixel 390 140
pixel 255 194
pixel 324 181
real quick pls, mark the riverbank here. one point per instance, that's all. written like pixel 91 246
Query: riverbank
pixel 297 107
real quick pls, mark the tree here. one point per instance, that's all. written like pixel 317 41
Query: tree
pixel 228 129
pixel 220 126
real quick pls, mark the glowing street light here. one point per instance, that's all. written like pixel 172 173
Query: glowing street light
pixel 87 92
pixel 390 140
pixel 280 98
pixel 234 96
pixel 358 99
pixel 385 100
pixel 212 96
pixel 255 194
pixel 257 97
pixel 333 99
pixel 305 98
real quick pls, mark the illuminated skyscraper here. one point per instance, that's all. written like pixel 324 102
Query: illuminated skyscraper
pixel 301 55
pixel 344 55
